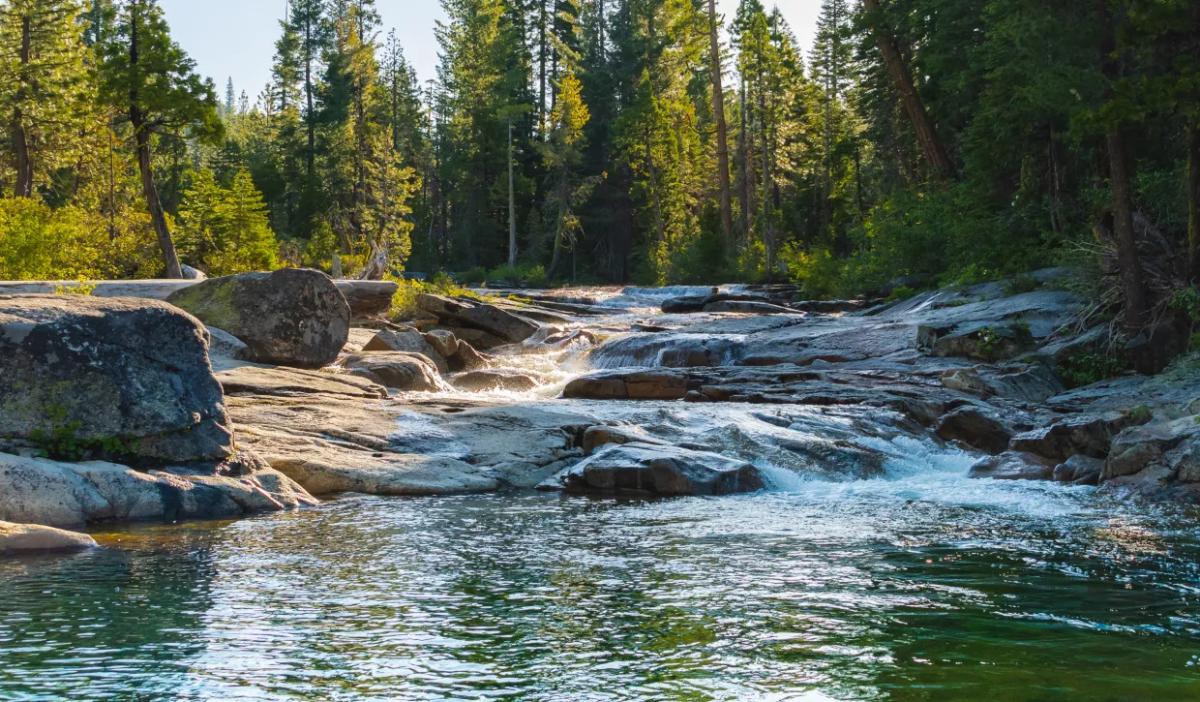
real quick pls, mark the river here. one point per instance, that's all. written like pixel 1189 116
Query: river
pixel 914 584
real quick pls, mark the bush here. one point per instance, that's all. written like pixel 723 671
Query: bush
pixel 404 302
pixel 1087 368
pixel 40 243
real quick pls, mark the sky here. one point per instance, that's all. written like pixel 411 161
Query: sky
pixel 236 38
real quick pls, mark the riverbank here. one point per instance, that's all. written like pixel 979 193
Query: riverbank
pixel 561 390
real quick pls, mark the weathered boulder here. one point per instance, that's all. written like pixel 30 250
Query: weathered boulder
pixel 1090 435
pixel 408 340
pixel 976 427
pixel 85 376
pixel 478 315
pixel 42 491
pixel 1013 465
pixel 981 341
pixel 665 351
pixel 644 468
pixel 222 344
pixel 368 298
pixel 400 370
pixel 466 358
pixel 1140 447
pixel 32 538
pixel 292 317
pixel 747 307
pixel 483 380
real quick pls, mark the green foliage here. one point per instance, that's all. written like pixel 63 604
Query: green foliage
pixel 62 441
pixel 530 275
pixel 225 230
pixel 1186 301
pixel 1087 368
pixel 38 243
pixel 404 303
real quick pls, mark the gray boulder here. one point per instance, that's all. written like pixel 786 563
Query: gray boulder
pixel 408 340
pixel 1013 465
pixel 479 315
pixel 482 380
pixel 975 427
pixel 87 377
pixel 657 470
pixel 291 317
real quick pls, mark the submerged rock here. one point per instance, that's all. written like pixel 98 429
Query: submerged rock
pixel 32 538
pixel 658 470
pixel 85 376
pixel 291 317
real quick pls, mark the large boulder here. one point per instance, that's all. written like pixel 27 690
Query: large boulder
pixel 484 380
pixel 1090 435
pixel 976 427
pixel 86 376
pixel 32 538
pixel 478 315
pixel 292 317
pixel 1013 465
pixel 638 385
pixel 658 470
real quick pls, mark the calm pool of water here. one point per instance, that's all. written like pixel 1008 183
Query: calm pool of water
pixel 921 586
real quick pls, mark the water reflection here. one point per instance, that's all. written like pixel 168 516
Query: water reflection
pixel 830 594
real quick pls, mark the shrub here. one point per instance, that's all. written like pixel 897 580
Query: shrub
pixel 40 243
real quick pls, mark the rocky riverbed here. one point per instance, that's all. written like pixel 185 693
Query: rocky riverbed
pixel 266 392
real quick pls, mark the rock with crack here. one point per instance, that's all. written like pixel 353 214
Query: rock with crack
pixel 1090 435
pixel 396 369
pixel 650 469
pixel 109 377
pixel 32 538
pixel 292 317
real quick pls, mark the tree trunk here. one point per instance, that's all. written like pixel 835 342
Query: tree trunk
pixel 1194 203
pixel 931 146
pixel 722 128
pixel 310 154
pixel 141 132
pixel 20 138
pixel 745 184
pixel 512 202
pixel 1122 204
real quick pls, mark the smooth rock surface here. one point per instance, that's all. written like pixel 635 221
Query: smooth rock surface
pixel 33 538
pixel 399 370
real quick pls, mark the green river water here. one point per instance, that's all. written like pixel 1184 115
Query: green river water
pixel 918 586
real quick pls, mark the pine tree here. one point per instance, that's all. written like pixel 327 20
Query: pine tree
pixel 146 74
pixel 45 97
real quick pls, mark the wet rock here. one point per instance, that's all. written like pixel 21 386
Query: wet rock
pixel 483 380
pixel 647 385
pixel 1079 470
pixel 1013 465
pixel 42 491
pixel 109 377
pixel 293 382
pixel 32 538
pixel 466 358
pixel 408 340
pixel 478 338
pixel 829 306
pixel 722 302
pixel 399 370
pixel 222 344
pixel 291 317
pixel 642 468
pixel 666 351
pixel 478 315
pixel 976 427
pixel 603 435
pixel 1089 435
